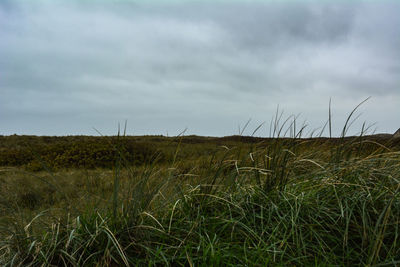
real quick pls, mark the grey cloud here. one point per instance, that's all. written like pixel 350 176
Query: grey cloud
pixel 201 65
pixel 269 24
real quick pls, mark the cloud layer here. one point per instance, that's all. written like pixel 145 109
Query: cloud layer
pixel 66 67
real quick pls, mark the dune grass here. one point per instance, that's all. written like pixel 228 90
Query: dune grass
pixel 293 201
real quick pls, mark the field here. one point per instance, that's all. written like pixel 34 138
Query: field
pixel 199 201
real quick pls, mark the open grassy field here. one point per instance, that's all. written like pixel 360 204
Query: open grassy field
pixel 199 201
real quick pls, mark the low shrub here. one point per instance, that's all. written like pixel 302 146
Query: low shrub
pixel 93 153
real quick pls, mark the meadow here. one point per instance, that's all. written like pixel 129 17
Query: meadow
pixel 200 201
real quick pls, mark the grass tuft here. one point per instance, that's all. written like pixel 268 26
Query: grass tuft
pixel 279 201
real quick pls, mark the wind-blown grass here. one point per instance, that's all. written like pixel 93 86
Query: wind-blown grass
pixel 290 201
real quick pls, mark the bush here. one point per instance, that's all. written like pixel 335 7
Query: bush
pixel 90 153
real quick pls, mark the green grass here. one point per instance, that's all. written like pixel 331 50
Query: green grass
pixel 211 202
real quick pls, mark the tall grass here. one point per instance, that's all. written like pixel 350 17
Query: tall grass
pixel 291 201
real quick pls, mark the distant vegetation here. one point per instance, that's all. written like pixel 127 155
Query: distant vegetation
pixel 37 153
pixel 189 201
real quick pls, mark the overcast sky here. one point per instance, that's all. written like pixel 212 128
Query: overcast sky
pixel 209 66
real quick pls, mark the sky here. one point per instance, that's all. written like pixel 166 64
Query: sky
pixel 82 67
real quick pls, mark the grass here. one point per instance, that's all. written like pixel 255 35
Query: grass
pixel 212 202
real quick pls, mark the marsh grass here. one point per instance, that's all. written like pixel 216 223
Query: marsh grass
pixel 288 201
